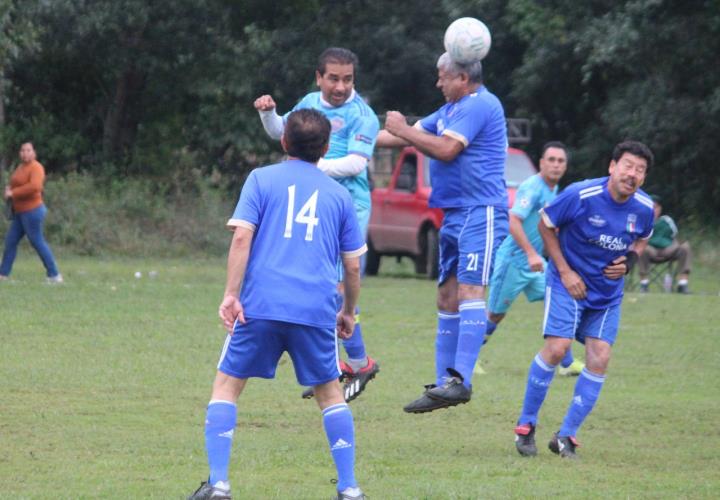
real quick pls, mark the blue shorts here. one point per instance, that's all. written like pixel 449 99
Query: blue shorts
pixel 469 238
pixel 568 318
pixel 254 349
pixel 509 278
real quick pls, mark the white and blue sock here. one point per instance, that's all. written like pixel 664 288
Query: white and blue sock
pixel 471 336
pixel 355 346
pixel 219 429
pixel 340 431
pixel 568 359
pixel 446 341
pixel 540 376
pixel 587 391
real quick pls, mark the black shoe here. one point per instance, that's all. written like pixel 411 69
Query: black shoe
pixel 683 289
pixel 452 392
pixel 424 403
pixel 564 446
pixel 355 382
pixel 207 492
pixel 308 393
pixel 346 496
pixel 525 440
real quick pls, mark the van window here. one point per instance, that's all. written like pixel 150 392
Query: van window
pixel 517 168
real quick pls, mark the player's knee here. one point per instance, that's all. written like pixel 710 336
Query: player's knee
pixel 554 349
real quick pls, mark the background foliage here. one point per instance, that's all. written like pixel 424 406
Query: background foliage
pixel 126 88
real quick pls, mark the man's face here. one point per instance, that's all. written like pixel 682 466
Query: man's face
pixel 336 84
pixel 452 86
pixel 553 165
pixel 657 209
pixel 27 153
pixel 627 174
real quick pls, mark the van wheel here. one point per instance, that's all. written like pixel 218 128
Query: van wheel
pixel 372 260
pixel 427 263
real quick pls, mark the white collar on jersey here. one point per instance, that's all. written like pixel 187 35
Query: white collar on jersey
pixel 328 105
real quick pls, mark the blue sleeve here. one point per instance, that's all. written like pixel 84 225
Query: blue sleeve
pixel 249 206
pixel 363 135
pixel 469 119
pixel 429 123
pixel 351 236
pixel 526 199
pixel 564 208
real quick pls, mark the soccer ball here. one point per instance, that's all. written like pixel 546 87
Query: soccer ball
pixel 467 40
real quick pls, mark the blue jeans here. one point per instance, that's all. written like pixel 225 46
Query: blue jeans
pixel 28 223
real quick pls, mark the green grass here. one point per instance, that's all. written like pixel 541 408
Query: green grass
pixel 104 382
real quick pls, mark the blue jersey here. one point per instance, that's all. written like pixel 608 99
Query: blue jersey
pixel 532 195
pixel 594 231
pixel 476 175
pixel 303 222
pixel 354 131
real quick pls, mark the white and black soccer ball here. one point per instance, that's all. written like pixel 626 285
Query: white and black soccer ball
pixel 467 40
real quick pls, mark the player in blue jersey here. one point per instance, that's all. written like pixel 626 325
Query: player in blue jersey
pixel 466 140
pixel 291 226
pixel 354 131
pixel 520 265
pixel 593 233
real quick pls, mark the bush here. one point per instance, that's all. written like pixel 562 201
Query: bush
pixel 181 216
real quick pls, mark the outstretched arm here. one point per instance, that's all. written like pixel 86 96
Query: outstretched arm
pixel 272 122
pixel 443 148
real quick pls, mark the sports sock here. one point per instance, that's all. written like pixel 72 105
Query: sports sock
pixel 540 376
pixel 471 335
pixel 567 359
pixel 490 329
pixel 446 341
pixel 219 429
pixel 340 431
pixel 587 390
pixel 354 346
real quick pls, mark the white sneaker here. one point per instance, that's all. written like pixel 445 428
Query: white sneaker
pixel 57 279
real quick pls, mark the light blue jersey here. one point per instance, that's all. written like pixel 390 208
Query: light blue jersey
pixel 354 131
pixel 532 195
pixel 594 230
pixel 476 175
pixel 300 216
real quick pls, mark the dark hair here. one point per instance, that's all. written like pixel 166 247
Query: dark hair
pixel 634 148
pixel 555 144
pixel 336 55
pixel 307 132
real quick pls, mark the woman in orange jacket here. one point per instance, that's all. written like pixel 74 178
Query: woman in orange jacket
pixel 25 191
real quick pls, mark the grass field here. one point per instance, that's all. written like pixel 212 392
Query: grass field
pixel 104 382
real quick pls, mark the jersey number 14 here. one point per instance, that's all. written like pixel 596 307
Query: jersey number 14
pixel 306 215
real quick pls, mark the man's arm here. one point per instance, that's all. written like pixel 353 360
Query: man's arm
pixel 386 140
pixel 623 264
pixel 346 316
pixel 347 166
pixel 518 233
pixel 272 122
pixel 443 148
pixel 231 309
pixel 570 279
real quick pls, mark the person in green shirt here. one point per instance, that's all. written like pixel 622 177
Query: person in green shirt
pixel 664 246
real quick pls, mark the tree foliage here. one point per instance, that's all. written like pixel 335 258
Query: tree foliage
pixel 142 88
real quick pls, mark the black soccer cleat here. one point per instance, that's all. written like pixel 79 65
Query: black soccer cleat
pixel 525 440
pixel 207 492
pixel 564 446
pixel 425 403
pixel 355 382
pixel 453 391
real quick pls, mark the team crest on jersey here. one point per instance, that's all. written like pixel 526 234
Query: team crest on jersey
pixel 631 225
pixel 524 202
pixel 337 123
pixel 440 126
pixel 597 221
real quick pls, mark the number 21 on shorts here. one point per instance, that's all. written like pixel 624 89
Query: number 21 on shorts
pixel 306 215
pixel 473 259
